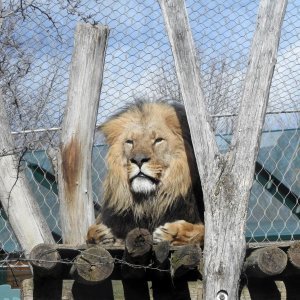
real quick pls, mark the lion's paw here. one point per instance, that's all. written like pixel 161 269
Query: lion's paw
pixel 101 234
pixel 179 233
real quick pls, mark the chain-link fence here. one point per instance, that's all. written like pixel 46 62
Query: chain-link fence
pixel 35 54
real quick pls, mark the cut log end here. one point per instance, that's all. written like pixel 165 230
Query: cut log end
pixel 266 262
pixel 294 255
pixel 45 260
pixel 138 242
pixel 92 266
pixel 138 246
pixel 161 251
pixel 272 261
pixel 185 258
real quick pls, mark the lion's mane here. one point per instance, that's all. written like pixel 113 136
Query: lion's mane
pixel 178 194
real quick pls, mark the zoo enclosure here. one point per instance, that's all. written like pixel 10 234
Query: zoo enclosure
pixel 37 39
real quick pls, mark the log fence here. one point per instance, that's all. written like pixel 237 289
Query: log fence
pixel 169 268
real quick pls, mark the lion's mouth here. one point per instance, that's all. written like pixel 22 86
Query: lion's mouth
pixel 143 184
pixel 145 176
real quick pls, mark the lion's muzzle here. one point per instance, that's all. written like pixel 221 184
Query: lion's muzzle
pixel 142 180
pixel 139 159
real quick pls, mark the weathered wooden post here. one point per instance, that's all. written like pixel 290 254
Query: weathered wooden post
pixel 74 166
pixel 16 198
pixel 226 179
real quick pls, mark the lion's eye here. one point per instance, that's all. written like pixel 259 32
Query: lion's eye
pixel 129 142
pixel 158 140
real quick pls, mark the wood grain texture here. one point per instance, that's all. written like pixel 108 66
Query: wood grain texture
pixel 92 266
pixel 74 161
pixel 16 198
pixel 184 52
pixel 138 251
pixel 294 255
pixel 265 262
pixel 226 179
pixel 45 261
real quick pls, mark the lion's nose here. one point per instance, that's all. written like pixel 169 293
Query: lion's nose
pixel 139 159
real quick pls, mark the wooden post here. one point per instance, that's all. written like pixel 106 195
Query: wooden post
pixel 183 259
pixel 17 200
pixel 138 246
pixel 74 167
pixel 226 179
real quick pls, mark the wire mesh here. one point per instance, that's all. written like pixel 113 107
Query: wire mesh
pixel 35 54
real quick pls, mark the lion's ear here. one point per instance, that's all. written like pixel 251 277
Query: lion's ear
pixel 111 130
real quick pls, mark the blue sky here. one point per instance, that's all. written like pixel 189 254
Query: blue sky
pixel 138 45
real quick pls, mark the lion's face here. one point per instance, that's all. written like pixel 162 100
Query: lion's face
pixel 148 155
pixel 148 152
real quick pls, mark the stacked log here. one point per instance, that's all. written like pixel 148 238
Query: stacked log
pixel 269 261
pixel 140 259
pixel 169 268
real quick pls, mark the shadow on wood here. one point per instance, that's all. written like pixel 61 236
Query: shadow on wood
pixel 263 289
pixel 138 246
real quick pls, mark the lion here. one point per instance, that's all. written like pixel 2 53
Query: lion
pixel 152 179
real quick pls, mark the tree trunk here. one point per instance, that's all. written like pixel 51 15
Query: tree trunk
pixel 74 166
pixel 17 200
pixel 226 179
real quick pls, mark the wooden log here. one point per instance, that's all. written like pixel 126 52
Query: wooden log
pixel 161 256
pixel 184 259
pixel 162 283
pixel 16 197
pixel 74 161
pixel 294 255
pixel 171 286
pixel 164 286
pixel 265 262
pixel 45 261
pixel 92 266
pixel 138 246
pixel 279 244
pixel 225 194
pixel 138 243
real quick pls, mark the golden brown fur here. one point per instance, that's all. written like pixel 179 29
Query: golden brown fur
pixel 152 176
